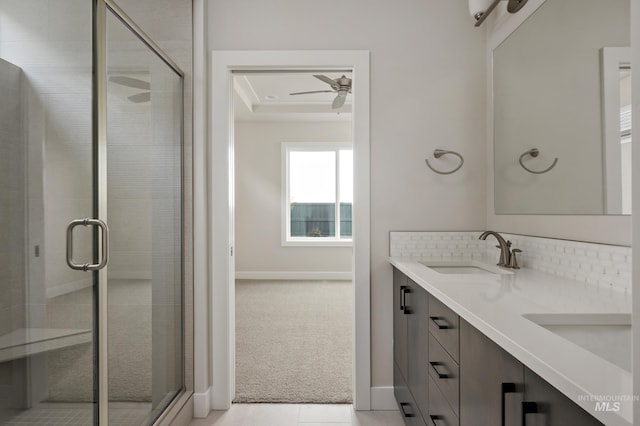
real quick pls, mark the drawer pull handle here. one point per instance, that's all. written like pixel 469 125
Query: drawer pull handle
pixel 506 388
pixel 404 412
pixel 434 366
pixel 440 322
pixel 528 407
pixel 435 419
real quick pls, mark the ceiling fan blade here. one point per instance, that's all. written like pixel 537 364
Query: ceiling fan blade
pixel 339 100
pixel 130 82
pixel 140 97
pixel 326 79
pixel 315 91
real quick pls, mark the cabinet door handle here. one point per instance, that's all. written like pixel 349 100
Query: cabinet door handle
pixel 506 388
pixel 434 366
pixel 528 407
pixel 403 300
pixel 403 289
pixel 404 412
pixel 435 419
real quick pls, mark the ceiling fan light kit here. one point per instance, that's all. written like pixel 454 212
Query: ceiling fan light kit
pixel 341 86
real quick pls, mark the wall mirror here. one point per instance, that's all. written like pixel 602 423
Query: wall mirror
pixel 562 111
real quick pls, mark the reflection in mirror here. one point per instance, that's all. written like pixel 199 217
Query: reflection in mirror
pixel 616 121
pixel 625 137
pixel 552 92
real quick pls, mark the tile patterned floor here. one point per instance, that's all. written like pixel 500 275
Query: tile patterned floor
pixel 298 415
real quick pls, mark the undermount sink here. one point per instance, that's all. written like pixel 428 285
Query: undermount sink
pixel 464 267
pixel 605 335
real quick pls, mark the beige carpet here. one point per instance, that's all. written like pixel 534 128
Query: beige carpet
pixel 293 341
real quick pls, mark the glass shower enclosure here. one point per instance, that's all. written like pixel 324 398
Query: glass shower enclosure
pixel 91 244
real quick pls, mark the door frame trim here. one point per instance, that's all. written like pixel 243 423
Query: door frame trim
pixel 221 206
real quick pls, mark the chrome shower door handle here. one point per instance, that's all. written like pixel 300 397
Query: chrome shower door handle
pixel 105 244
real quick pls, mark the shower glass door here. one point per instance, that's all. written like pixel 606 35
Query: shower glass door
pixel 144 213
pixel 90 127
pixel 48 330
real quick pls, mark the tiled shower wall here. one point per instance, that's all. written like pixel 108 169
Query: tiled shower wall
pixel 12 235
pixel 598 264
pixel 12 200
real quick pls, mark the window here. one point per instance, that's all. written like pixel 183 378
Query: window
pixel 317 189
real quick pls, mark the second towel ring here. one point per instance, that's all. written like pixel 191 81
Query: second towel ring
pixel 534 153
pixel 439 153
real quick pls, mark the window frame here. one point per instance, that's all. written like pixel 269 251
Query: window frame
pixel 286 238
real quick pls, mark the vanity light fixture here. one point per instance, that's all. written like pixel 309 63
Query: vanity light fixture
pixel 480 9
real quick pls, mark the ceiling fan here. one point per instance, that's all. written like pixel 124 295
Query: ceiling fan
pixel 135 83
pixel 341 86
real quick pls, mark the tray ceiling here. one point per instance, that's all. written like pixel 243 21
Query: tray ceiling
pixel 265 96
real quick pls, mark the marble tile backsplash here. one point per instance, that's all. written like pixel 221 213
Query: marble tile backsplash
pixel 598 264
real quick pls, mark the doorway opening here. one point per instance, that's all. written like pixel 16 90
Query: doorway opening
pixel 293 193
pixel 224 231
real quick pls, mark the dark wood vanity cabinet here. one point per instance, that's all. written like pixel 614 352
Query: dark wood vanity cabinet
pixel 491 381
pixel 447 373
pixel 444 366
pixel 497 389
pixel 410 340
pixel 546 406
pixel 400 282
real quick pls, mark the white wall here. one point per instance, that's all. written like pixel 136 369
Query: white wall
pixel 427 92
pixel 258 199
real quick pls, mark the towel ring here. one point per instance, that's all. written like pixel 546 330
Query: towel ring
pixel 439 153
pixel 534 153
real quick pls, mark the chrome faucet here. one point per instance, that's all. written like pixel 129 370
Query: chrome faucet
pixel 505 248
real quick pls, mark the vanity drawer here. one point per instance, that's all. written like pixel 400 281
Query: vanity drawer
pixel 444 326
pixel 444 372
pixel 440 412
pixel 406 404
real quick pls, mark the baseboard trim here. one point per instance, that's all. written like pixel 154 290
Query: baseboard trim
pixel 382 398
pixel 293 275
pixel 202 404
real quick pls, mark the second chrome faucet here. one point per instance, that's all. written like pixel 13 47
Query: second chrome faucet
pixel 507 258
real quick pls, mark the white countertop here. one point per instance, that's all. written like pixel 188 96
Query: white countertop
pixel 495 305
